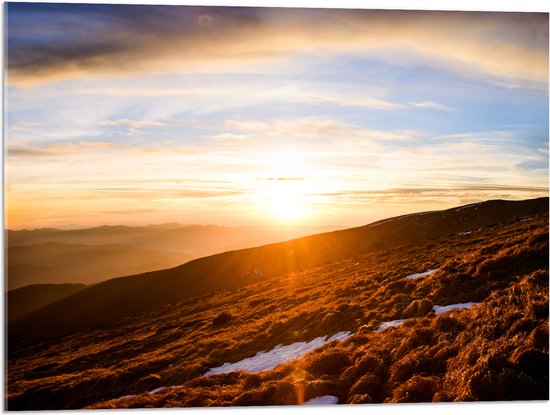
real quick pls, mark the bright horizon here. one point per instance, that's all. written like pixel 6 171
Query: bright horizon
pixel 138 115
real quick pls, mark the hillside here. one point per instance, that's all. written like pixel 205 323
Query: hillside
pixel 27 299
pixel 459 316
pixel 117 298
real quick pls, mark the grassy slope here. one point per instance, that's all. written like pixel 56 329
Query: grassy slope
pixel 496 351
pixel 121 297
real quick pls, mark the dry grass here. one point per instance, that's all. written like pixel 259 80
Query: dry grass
pixel 497 351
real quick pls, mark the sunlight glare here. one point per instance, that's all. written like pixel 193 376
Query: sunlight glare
pixel 284 192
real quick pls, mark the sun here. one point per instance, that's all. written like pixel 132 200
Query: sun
pixel 286 204
pixel 284 190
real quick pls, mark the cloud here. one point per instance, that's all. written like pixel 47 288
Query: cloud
pixel 53 150
pixel 428 190
pixel 371 103
pixel 374 103
pixel 431 106
pixel 129 211
pixel 131 123
pixel 282 178
pixel 436 196
pixel 319 128
pixel 28 126
pixel 80 148
pixel 251 126
pixel 55 42
pixel 533 165
pixel 231 138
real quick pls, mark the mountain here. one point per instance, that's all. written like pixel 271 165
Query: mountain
pixel 121 297
pixel 194 240
pixel 445 306
pixel 57 263
pixel 27 299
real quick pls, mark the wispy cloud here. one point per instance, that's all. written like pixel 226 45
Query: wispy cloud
pixel 83 147
pixel 319 128
pixel 451 189
pixel 282 178
pixel 231 138
pixel 128 211
pixel 53 150
pixel 131 123
pixel 160 39
pixel 372 103
pixel 431 106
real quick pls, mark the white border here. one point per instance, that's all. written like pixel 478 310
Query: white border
pixel 512 408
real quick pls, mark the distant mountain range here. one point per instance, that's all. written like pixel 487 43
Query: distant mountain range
pixel 194 240
pixel 46 256
pixel 58 263
pixel 121 297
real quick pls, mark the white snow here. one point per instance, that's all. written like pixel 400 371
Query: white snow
pixel 263 361
pixel 422 274
pixel 443 309
pixel 158 389
pixel 476 205
pixel 123 397
pixel 323 400
pixel 437 309
pixel 387 324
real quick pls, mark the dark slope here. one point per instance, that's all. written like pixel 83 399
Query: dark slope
pixel 120 297
pixel 27 299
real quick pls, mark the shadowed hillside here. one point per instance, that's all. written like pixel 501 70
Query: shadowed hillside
pixel 460 317
pixel 32 297
pixel 121 297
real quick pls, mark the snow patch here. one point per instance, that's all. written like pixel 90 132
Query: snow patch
pixel 124 397
pixel 443 309
pixel 387 324
pixel 423 274
pixel 476 205
pixel 159 389
pixel 263 361
pixel 323 400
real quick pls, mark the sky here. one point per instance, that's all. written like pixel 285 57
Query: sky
pixel 142 114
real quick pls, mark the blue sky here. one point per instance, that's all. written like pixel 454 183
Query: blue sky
pixel 148 114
